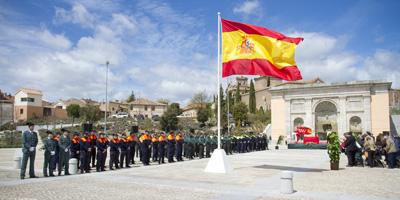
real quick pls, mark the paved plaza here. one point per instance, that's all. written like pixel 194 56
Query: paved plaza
pixel 256 176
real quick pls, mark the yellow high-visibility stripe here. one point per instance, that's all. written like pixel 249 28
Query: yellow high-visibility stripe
pixel 279 53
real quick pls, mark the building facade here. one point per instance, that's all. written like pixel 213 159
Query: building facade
pixel 63 104
pixel 28 104
pixel 190 111
pixel 114 107
pixel 146 108
pixel 358 106
pixel 263 96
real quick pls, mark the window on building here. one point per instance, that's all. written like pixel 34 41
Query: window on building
pixel 355 124
pixel 153 108
pixel 145 108
pixel 21 111
pixel 146 116
pixel 27 99
pixel 131 106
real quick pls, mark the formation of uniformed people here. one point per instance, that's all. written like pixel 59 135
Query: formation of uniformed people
pixel 90 149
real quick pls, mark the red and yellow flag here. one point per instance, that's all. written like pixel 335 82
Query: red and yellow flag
pixel 254 50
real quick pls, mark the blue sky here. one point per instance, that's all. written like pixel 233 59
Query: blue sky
pixel 167 49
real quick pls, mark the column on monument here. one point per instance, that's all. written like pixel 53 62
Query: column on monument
pixel 342 119
pixel 366 120
pixel 288 117
pixel 308 121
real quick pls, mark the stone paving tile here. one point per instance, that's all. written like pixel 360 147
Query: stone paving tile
pixel 256 176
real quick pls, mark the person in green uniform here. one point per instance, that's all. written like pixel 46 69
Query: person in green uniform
pixel 29 143
pixel 64 143
pixel 49 154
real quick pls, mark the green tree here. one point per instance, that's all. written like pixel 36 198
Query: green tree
pixel 131 97
pixel 203 114
pixel 163 101
pixel 223 108
pixel 238 97
pixel 169 120
pixel 231 99
pixel 240 111
pixel 252 98
pixel 90 113
pixel 73 112
pixel 147 124
pixel 260 116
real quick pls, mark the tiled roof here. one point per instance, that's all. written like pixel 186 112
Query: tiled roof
pixel 143 101
pixel 30 91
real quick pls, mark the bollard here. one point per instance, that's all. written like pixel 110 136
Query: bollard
pixel 287 182
pixel 73 166
pixel 18 159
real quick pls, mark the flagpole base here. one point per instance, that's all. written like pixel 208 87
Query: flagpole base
pixel 218 163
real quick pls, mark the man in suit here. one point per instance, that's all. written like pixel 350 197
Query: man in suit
pixel 351 148
pixel 29 143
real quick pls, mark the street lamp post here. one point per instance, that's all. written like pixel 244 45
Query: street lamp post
pixel 105 113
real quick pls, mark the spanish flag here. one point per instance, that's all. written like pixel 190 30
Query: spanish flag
pixel 254 50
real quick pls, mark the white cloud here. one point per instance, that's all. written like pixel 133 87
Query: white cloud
pixel 383 65
pixel 77 15
pixel 153 50
pixel 326 56
pixel 146 52
pixel 248 7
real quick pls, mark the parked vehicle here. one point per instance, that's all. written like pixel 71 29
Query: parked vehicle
pixel 120 115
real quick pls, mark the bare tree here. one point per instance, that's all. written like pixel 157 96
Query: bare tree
pixel 201 98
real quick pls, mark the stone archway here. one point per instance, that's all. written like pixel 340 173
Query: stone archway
pixel 326 117
pixel 297 122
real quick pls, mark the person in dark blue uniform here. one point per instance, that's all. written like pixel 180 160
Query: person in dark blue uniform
pixel 171 147
pixel 161 148
pixel 84 153
pixel 75 147
pixel 125 147
pixel 101 144
pixel 93 140
pixel 114 148
pixel 132 144
pixel 154 146
pixel 145 148
pixel 179 146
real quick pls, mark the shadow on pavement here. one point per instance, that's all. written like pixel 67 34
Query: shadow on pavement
pixel 296 169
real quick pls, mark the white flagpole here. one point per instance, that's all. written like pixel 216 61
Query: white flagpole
pixel 228 96
pixel 218 78
pixel 218 162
